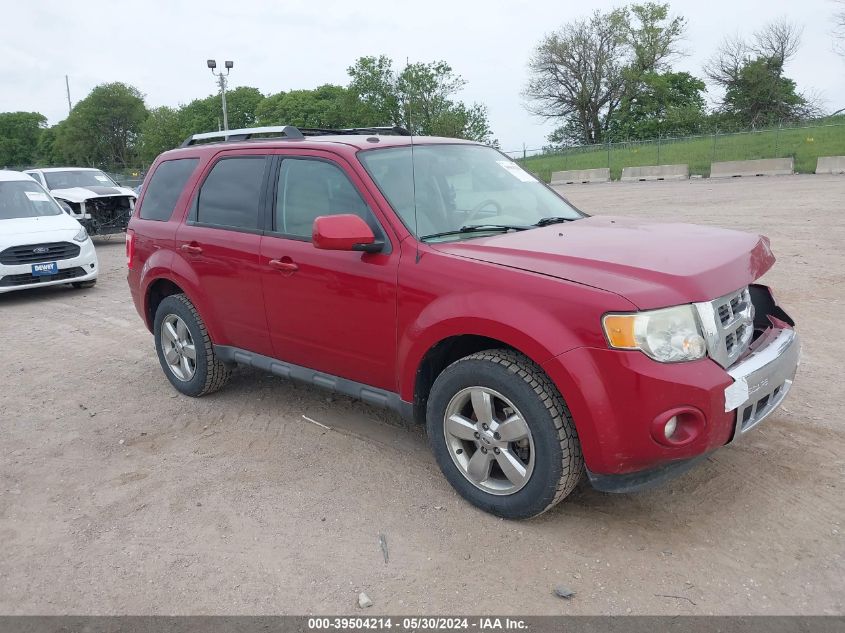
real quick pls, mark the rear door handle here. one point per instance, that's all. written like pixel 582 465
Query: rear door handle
pixel 287 267
pixel 190 249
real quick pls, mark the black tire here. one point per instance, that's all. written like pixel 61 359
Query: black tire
pixel 558 464
pixel 210 373
pixel 79 285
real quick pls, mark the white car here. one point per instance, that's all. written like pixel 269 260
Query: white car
pixel 101 205
pixel 40 244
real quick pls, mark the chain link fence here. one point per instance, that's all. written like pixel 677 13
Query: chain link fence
pixel 803 143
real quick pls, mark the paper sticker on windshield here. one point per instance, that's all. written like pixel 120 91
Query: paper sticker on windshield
pixel 516 171
pixel 36 196
pixel 101 178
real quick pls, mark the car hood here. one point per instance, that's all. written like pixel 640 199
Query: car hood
pixel 15 231
pixel 651 264
pixel 80 194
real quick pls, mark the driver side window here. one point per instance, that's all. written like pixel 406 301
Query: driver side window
pixel 308 189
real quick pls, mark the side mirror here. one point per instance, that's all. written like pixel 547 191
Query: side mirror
pixel 344 233
pixel 65 207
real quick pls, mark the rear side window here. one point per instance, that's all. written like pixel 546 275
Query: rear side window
pixel 163 190
pixel 231 194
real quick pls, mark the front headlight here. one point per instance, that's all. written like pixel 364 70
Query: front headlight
pixel 81 236
pixel 668 335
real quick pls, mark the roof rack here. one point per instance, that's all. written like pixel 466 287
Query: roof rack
pixel 394 130
pixel 289 132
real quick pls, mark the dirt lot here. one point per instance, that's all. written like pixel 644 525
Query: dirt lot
pixel 117 496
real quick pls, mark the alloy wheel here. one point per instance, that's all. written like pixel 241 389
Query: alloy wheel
pixel 489 440
pixel 178 347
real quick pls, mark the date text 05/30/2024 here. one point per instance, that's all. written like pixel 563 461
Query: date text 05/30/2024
pixel 418 623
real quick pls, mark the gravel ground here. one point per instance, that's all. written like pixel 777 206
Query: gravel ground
pixel 118 496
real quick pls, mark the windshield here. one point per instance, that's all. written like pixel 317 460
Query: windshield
pixel 82 178
pixel 459 186
pixel 25 199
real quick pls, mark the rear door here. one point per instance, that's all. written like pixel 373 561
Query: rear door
pixel 220 241
pixel 333 311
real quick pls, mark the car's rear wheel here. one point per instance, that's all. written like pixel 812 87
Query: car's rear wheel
pixel 185 350
pixel 502 434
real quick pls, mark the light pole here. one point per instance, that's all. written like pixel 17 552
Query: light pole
pixel 221 81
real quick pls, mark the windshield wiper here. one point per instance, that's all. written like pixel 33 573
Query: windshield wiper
pixel 478 228
pixel 553 220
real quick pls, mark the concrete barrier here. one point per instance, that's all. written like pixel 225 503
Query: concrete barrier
pixel 830 165
pixel 655 172
pixel 764 167
pixel 580 175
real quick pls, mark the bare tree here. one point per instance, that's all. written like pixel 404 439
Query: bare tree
pixel 577 72
pixel 724 67
pixel 751 73
pixel 580 73
pixel 778 41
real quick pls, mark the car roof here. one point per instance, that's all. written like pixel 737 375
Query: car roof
pixel 8 174
pixel 347 142
pixel 48 170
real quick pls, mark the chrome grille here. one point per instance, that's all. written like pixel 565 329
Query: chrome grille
pixel 728 324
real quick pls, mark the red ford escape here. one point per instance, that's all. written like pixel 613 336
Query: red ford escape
pixel 436 277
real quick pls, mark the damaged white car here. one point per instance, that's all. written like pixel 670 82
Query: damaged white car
pixel 100 204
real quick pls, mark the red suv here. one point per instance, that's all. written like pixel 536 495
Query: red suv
pixel 436 277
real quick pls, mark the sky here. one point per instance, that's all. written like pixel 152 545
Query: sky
pixel 160 46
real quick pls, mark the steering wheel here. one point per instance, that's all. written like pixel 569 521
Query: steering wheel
pixel 480 207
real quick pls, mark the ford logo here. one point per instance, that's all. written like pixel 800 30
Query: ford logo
pixel 40 250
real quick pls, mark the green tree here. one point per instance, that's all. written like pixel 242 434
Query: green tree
pixel 581 73
pixel 45 150
pixel 326 106
pixel 652 36
pixel 206 115
pixel 19 134
pixel 374 81
pixel 660 104
pixel 103 128
pixel 761 95
pixel 420 98
pixel 162 130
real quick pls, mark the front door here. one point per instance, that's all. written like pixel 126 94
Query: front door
pixel 333 311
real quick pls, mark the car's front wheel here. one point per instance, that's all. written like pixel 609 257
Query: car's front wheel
pixel 502 434
pixel 185 350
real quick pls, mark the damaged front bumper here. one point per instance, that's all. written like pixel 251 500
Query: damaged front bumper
pixel 104 215
pixel 763 378
pixel 617 399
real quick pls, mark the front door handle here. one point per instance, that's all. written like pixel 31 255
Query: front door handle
pixel 191 249
pixel 284 266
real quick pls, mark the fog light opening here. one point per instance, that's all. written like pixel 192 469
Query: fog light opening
pixel 678 427
pixel 671 427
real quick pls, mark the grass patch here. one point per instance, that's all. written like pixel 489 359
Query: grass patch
pixel 804 144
